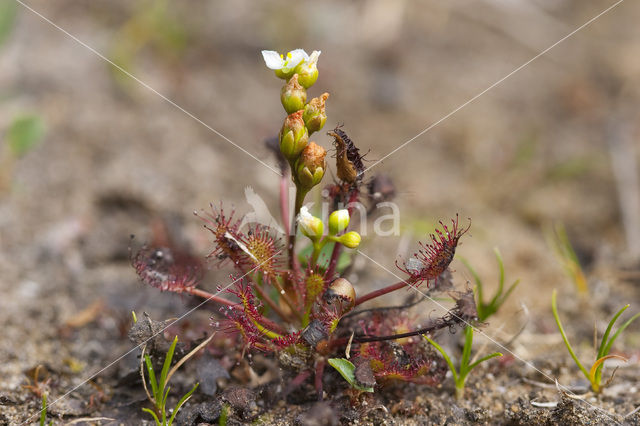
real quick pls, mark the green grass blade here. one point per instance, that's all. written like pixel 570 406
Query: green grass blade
pixel 617 333
pixel 167 363
pixel 181 402
pixel 510 290
pixel 146 410
pixel 446 358
pixel 483 359
pixel 165 396
pixel 605 337
pixel 43 410
pixel 152 377
pixel 554 308
pixel 466 350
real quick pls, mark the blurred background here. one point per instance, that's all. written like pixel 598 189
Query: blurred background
pixel 91 156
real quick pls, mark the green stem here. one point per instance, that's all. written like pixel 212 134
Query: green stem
pixel 300 195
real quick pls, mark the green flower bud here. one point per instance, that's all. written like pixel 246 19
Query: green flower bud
pixel 310 225
pixel 293 96
pixel 350 239
pixel 314 115
pixel 310 166
pixel 308 70
pixel 294 136
pixel 338 221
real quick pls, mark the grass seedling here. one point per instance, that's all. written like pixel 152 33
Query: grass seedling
pixel 594 375
pixel 558 239
pixel 43 411
pixel 486 309
pixel 466 363
pixel 160 385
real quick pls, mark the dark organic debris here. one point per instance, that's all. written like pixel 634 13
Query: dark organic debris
pixel 203 412
pixel 208 371
pixel 364 375
pixel 241 399
pixel 150 333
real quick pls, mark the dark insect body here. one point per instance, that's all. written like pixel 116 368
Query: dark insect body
pixel 349 160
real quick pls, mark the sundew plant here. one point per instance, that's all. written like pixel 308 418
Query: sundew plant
pixel 289 298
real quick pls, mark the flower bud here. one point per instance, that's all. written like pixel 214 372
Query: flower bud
pixel 310 225
pixel 350 239
pixel 314 115
pixel 308 70
pixel 338 221
pixel 310 166
pixel 293 96
pixel 294 136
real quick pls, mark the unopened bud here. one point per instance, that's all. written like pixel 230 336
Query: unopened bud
pixel 293 96
pixel 314 113
pixel 338 221
pixel 350 239
pixel 308 70
pixel 294 136
pixel 310 225
pixel 310 166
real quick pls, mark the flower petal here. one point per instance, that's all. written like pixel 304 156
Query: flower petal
pixel 272 59
pixel 294 58
pixel 313 59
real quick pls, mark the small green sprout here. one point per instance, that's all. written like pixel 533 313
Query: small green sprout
pixel 347 370
pixel 224 415
pixel 486 309
pixel 558 239
pixel 466 364
pixel 159 385
pixel 594 375
pixel 43 411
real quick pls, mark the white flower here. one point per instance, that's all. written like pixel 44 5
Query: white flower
pixel 276 61
pixel 296 61
pixel 310 62
pixel 310 225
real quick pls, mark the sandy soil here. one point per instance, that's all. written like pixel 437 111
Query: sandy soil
pixel 554 142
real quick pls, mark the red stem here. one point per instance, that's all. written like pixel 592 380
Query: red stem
pixel 221 300
pixel 206 295
pixel 320 364
pixel 385 290
pixel 273 305
pixel 333 263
